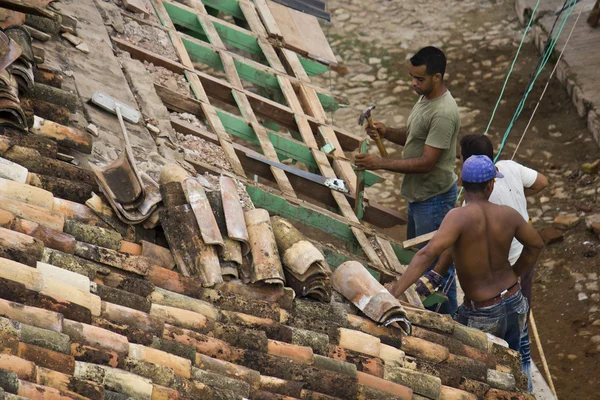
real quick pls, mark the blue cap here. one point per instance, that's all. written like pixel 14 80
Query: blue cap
pixel 478 169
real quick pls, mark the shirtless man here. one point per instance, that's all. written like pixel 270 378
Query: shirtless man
pixel 480 235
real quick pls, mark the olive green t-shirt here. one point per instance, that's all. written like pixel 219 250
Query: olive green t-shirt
pixel 434 123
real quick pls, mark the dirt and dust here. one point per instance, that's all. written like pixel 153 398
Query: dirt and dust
pixel 150 38
pixel 169 79
pixel 375 40
pixel 199 149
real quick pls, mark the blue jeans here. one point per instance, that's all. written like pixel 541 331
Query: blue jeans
pixel 506 320
pixel 426 216
pixel 526 357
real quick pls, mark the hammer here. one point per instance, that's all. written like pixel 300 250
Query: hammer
pixel 367 115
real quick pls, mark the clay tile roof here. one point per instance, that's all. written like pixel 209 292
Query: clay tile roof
pixel 94 307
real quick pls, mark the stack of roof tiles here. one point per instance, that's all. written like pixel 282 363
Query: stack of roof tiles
pixel 87 316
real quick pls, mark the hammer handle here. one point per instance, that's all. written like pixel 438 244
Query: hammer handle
pixel 378 141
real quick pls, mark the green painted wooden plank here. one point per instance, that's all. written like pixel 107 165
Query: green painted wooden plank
pixel 230 7
pixel 233 37
pixel 200 52
pixel 312 67
pixel 183 18
pixel 238 39
pixel 328 102
pixel 203 54
pixel 404 256
pixel 324 223
pixel 285 147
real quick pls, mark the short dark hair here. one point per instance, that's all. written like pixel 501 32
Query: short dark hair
pixel 433 58
pixel 472 187
pixel 476 144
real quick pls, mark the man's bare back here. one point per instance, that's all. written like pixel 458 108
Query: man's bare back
pixel 480 235
pixel 481 251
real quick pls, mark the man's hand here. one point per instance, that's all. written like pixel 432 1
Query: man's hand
pixel 380 129
pixel 368 161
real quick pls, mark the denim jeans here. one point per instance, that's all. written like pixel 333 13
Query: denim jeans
pixel 426 216
pixel 526 357
pixel 506 320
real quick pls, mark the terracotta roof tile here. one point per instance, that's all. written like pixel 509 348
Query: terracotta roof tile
pixel 179 365
pixel 172 299
pixel 67 383
pixel 384 385
pixel 96 355
pixel 300 354
pixel 122 297
pixel 47 358
pixel 32 315
pixel 24 369
pixel 214 380
pixel 182 318
pixel 252 377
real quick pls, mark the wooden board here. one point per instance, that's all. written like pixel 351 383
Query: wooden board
pixel 302 33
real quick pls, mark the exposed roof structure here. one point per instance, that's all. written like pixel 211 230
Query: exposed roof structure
pixel 110 292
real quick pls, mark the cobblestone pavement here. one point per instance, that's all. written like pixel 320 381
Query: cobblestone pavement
pixel 373 42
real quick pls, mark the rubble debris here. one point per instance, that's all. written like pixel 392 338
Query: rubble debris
pixel 353 281
pixel 173 81
pixel 266 263
pixel 566 221
pixel 305 268
pixel 201 150
pixel 150 38
pixel 93 129
pixel 137 6
pixel 75 41
pixel 83 47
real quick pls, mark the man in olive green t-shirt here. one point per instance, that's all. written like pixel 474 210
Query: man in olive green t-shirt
pixel 429 142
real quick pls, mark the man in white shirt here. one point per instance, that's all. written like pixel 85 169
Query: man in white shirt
pixel 518 183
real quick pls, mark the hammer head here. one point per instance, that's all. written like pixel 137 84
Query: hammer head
pixel 365 114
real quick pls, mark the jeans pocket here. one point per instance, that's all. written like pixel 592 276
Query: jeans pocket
pixel 522 310
pixel 485 324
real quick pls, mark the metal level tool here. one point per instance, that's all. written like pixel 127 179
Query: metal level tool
pixel 332 183
pixel 110 104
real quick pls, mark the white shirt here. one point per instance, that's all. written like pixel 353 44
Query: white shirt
pixel 509 191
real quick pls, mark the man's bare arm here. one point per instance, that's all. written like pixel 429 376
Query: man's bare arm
pixel 541 183
pixel 445 237
pixel 532 246
pixel 397 135
pixel 444 262
pixel 417 165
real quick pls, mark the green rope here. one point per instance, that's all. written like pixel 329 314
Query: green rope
pixel 512 66
pixel 546 57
